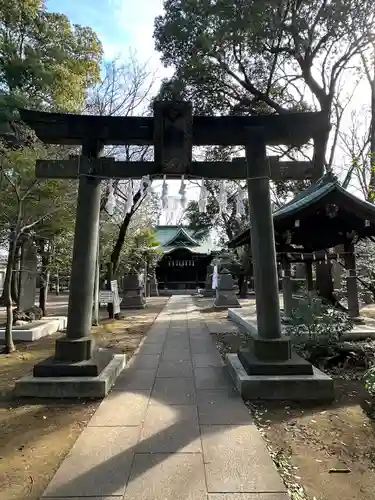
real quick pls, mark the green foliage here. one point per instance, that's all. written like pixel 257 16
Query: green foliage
pixel 45 62
pixel 317 325
pixel 369 380
pixel 249 56
pixel 46 208
pixel 140 250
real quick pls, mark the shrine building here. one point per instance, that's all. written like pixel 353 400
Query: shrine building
pixel 185 258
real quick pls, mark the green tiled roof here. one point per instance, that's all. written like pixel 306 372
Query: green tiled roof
pixel 305 198
pixel 166 234
pixel 308 197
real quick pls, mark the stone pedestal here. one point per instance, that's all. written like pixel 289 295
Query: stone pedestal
pixel 208 290
pixel 226 295
pixel 132 292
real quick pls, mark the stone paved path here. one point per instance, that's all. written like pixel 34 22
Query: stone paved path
pixel 172 428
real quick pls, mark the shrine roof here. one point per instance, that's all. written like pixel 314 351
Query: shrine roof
pixel 308 219
pixel 172 237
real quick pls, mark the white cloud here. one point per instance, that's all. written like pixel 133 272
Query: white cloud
pixel 135 25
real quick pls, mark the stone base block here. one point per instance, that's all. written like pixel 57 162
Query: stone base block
pixel 226 299
pixel 37 329
pixel 315 387
pixel 207 292
pixel 53 368
pixel 68 350
pixel 135 302
pixel 275 350
pixel 72 387
pixel 295 365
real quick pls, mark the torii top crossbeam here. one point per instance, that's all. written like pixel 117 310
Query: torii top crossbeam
pixel 58 128
pixel 173 131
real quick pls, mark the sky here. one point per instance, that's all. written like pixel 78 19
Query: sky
pixel 124 27
pixel 121 25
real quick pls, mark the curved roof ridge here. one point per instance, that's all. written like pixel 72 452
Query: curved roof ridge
pixel 183 232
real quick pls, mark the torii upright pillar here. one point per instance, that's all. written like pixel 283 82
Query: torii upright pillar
pixel 73 353
pixel 269 351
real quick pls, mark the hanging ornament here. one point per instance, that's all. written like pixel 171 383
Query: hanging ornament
pixel 129 197
pixel 182 193
pixel 202 202
pixel 164 193
pixel 145 185
pixel 222 197
pixel 111 201
pixel 240 207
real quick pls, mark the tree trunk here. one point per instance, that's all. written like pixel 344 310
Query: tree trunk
pixel 9 344
pixel 44 280
pixel 95 320
pixel 16 275
pixel 371 190
pixel 7 279
pixel 57 283
pixel 319 156
pixel 116 252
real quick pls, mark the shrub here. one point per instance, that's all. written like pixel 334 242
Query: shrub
pixel 369 379
pixel 317 326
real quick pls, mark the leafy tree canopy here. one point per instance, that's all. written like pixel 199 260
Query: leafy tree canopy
pixel 45 61
pixel 250 55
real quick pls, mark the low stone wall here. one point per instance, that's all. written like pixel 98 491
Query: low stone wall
pixel 37 329
pixel 246 319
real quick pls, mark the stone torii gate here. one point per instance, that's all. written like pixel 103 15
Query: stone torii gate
pixel 173 131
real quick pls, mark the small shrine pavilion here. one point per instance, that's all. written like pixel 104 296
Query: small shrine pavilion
pixel 185 258
pixel 307 229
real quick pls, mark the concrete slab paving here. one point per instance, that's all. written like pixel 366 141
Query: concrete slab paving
pixel 202 346
pixel 98 464
pixel 133 379
pixel 174 391
pixel 121 409
pixel 177 476
pixel 204 360
pixel 248 496
pixel 220 407
pixel 145 361
pixel 173 427
pixel 176 354
pixel 155 348
pixel 170 429
pixel 179 369
pixel 211 377
pixel 117 497
pixel 237 461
